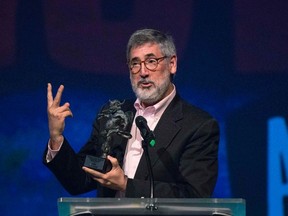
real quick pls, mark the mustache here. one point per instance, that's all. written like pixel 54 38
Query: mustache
pixel 145 80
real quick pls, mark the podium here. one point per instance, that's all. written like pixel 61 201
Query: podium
pixel 148 206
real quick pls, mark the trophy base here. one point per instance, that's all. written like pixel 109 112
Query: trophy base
pixel 100 164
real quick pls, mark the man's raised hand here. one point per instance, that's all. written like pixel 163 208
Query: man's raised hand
pixel 56 116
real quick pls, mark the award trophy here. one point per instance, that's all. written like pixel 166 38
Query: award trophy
pixel 117 122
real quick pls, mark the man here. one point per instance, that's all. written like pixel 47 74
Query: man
pixel 185 157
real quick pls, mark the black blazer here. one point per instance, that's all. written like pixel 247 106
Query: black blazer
pixel 184 159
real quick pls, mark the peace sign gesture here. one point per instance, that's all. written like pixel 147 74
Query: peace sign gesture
pixel 56 116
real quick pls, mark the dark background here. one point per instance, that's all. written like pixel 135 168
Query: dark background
pixel 232 63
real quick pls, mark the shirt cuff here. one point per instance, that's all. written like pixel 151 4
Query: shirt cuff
pixel 52 153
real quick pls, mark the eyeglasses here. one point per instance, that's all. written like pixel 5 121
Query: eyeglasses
pixel 150 63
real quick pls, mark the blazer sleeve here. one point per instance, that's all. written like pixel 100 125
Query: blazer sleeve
pixel 67 168
pixel 67 164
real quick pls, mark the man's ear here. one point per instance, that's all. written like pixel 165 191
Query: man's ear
pixel 173 64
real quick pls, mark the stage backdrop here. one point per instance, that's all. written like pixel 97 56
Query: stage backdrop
pixel 232 63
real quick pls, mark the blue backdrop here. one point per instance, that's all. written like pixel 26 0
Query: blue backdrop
pixel 232 63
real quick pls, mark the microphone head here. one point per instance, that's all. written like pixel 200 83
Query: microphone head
pixel 146 133
pixel 140 121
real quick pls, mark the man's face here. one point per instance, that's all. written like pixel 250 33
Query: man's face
pixel 152 86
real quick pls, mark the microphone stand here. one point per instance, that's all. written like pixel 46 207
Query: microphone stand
pixel 151 205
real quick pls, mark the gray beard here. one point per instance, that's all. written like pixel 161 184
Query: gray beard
pixel 153 94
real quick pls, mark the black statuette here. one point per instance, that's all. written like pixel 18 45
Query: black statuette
pixel 117 122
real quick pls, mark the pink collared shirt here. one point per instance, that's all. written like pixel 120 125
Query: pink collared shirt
pixel 134 149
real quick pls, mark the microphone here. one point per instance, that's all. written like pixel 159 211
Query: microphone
pixel 148 138
pixel 147 135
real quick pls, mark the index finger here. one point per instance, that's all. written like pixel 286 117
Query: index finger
pixel 49 95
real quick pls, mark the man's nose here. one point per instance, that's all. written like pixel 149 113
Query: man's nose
pixel 143 70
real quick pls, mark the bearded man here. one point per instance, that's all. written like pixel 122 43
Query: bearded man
pixel 184 158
